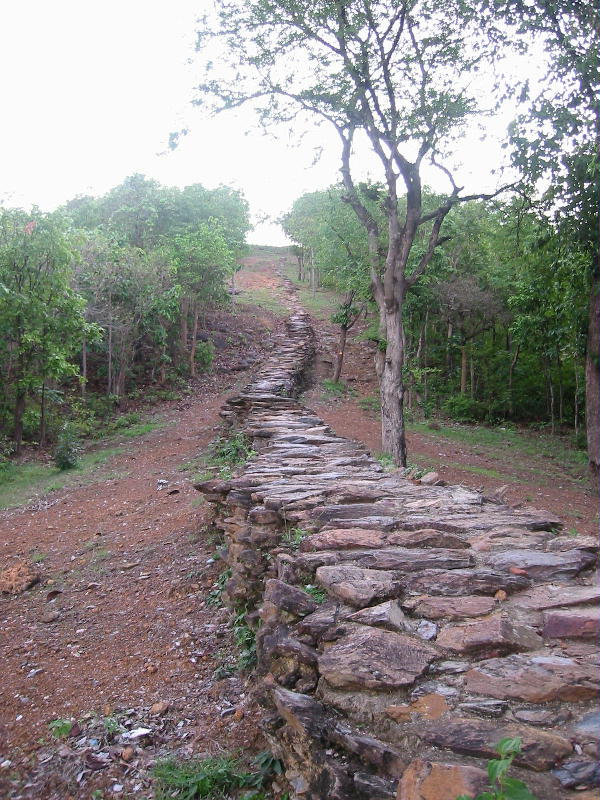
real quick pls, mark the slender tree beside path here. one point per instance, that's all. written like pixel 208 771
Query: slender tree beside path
pixel 397 73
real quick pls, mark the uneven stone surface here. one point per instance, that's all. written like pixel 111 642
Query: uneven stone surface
pixel 427 780
pixel 369 658
pixel 401 621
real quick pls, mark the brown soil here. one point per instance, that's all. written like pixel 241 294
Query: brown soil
pixel 120 619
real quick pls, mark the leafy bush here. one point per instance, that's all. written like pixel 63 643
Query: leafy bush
pixel 463 408
pixel 205 355
pixel 68 449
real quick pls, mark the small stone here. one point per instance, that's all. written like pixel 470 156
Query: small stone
pixel 50 616
pixel 127 753
pixel 429 706
pixel 151 669
pixel 578 774
pixel 427 630
pixel 543 718
pixel 159 708
pixel 429 479
pixel 485 708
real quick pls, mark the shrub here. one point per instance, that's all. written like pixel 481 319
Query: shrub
pixel 463 408
pixel 68 449
pixel 205 354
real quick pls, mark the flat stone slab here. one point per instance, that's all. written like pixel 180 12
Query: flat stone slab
pixel 554 596
pixel 534 679
pixel 427 537
pixel 344 539
pixel 574 623
pixel 450 607
pixel 359 587
pixel 464 582
pixel 370 658
pixel 494 633
pixel 433 780
pixel 539 750
pixel 543 566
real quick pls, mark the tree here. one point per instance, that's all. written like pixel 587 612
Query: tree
pixel 397 72
pixel 556 145
pixel 41 316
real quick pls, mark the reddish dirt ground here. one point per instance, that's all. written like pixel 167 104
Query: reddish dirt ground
pixel 120 620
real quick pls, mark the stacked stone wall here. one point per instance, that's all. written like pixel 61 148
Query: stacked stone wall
pixel 404 629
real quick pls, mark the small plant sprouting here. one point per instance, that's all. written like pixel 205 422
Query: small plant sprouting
pixel 318 595
pixel 501 786
pixel 293 537
pixel 60 728
pixel 215 597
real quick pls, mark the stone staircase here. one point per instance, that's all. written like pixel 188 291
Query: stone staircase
pixel 404 629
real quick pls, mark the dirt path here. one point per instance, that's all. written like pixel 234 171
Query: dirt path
pixel 120 622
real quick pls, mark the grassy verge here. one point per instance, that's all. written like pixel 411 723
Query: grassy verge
pixel 22 483
pixel 269 299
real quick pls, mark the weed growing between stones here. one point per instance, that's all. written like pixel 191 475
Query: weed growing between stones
pixel 318 595
pixel 215 777
pixel 502 787
pixel 293 537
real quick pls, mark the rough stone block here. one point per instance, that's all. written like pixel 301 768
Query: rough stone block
pixel 433 780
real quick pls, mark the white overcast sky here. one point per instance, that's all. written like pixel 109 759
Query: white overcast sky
pixel 92 89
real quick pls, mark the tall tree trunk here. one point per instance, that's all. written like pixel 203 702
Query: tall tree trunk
pixel 83 366
pixel 472 366
pixel 20 401
pixel 194 339
pixel 592 383
pixel 576 402
pixel 393 434
pixel 511 369
pixel 109 376
pixel 449 350
pixel 43 416
pixel 183 324
pixel 464 363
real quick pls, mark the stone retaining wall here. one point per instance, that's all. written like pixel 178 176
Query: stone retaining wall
pixel 405 629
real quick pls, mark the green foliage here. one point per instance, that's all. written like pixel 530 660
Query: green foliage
pixel 214 778
pixel 227 453
pixel 501 785
pixel 293 537
pixel 215 597
pixel 318 595
pixel 336 388
pixel 60 728
pixel 68 449
pixel 386 461
pixel 463 408
pixel 204 355
pixel 245 640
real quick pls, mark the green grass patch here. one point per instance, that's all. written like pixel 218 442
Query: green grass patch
pixel 493 440
pixel 141 429
pixel 22 483
pixel 337 388
pixel 269 299
pixel 216 777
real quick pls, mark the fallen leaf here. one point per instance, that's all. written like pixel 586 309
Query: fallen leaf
pixel 127 753
pixel 54 593
pixel 518 571
pixel 500 595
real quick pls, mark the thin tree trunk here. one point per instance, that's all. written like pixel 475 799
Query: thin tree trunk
pixel 464 363
pixel 43 416
pixel 511 369
pixel 194 339
pixel 20 402
pixel 183 324
pixel 449 350
pixel 576 402
pixel 560 387
pixel 592 383
pixel 340 353
pixel 83 366
pixel 472 365
pixel 109 382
